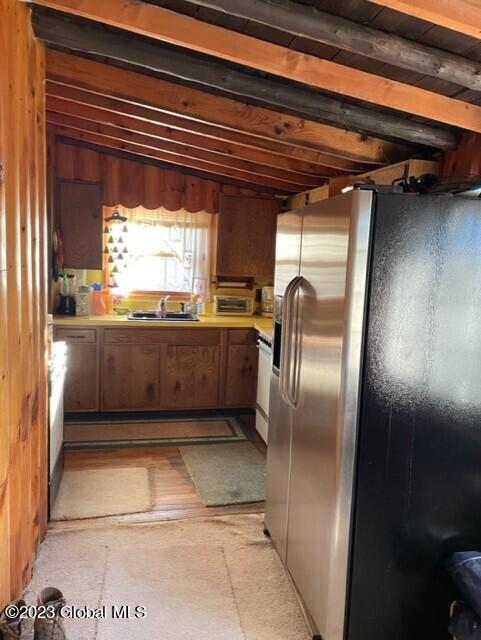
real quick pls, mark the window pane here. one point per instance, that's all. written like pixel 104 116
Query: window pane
pixel 160 251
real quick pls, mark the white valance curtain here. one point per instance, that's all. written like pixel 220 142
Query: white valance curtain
pixel 159 251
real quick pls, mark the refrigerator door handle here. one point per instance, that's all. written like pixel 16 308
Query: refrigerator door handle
pixel 286 341
pixel 294 384
pixel 285 330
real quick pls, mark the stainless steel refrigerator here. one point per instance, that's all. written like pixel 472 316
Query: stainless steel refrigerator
pixel 374 457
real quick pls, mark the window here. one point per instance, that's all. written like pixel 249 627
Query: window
pixel 158 251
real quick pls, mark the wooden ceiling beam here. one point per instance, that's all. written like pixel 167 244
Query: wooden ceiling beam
pixel 309 22
pixel 141 148
pixel 280 153
pixel 463 16
pixel 141 159
pixel 167 26
pixel 92 38
pixel 86 122
pixel 106 110
pixel 315 141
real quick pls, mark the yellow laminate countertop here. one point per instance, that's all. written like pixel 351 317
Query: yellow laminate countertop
pixel 263 325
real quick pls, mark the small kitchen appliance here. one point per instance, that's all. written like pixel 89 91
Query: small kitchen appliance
pixel 267 304
pixel 233 305
pixel 67 305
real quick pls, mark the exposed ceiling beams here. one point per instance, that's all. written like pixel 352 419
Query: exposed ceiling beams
pixel 314 142
pixel 226 151
pixel 186 152
pixel 248 147
pixel 91 38
pixel 107 137
pixel 155 22
pixel 463 16
pixel 309 22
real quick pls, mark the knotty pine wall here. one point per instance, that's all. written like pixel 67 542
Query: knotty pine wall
pixel 23 291
pixel 133 184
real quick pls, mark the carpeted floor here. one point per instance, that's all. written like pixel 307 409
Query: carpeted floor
pixel 226 473
pixel 199 579
pixel 92 493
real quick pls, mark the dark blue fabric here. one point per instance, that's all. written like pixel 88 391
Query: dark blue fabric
pixel 465 570
pixel 464 623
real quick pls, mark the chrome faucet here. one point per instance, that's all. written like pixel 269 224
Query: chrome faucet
pixel 162 307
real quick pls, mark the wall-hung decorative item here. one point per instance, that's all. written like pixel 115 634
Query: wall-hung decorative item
pixel 116 217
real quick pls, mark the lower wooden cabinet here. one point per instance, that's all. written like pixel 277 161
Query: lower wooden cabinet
pixel 81 382
pixel 82 378
pixel 130 377
pixel 190 377
pixel 153 369
pixel 241 375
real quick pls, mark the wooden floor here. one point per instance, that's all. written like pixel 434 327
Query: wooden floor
pixel 173 492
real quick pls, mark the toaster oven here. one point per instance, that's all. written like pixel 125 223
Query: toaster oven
pixel 233 306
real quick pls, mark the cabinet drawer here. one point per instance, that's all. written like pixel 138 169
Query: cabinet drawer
pixel 242 336
pixel 76 335
pixel 163 336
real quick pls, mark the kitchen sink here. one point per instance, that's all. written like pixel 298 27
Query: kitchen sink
pixel 170 316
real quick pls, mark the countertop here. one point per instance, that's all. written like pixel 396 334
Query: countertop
pixel 263 325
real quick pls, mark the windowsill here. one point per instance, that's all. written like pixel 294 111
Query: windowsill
pixel 155 295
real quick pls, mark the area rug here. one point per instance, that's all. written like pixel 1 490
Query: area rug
pixel 226 473
pixel 123 433
pixel 92 493
pixel 204 579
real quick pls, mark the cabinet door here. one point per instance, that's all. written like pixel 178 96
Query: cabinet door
pixel 190 377
pixel 246 236
pixel 130 376
pixel 79 216
pixel 81 380
pixel 241 375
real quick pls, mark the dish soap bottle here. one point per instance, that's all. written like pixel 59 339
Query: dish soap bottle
pixel 107 299
pixel 98 305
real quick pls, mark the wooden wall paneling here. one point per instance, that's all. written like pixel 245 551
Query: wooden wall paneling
pixel 67 161
pixel 193 193
pixel 153 186
pixel 34 298
pixel 174 190
pixel 88 163
pixel 19 472
pixel 210 195
pixel 466 159
pixel 43 269
pixel 110 171
pixel 23 292
pixel 131 183
pixel 5 141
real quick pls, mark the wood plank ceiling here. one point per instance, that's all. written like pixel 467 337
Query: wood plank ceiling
pixel 256 111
